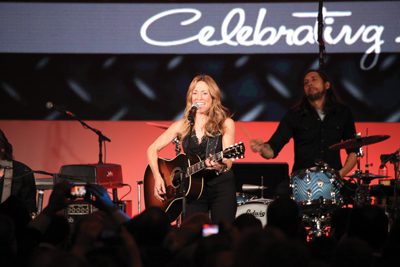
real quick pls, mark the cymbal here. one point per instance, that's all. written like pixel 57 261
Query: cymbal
pixel 366 175
pixel 359 142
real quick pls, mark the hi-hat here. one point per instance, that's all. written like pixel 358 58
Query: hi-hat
pixel 359 142
pixel 251 187
pixel 366 175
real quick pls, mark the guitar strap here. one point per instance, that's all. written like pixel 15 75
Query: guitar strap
pixel 212 144
pixel 8 174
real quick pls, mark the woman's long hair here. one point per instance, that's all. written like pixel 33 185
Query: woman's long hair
pixel 217 113
pixel 6 149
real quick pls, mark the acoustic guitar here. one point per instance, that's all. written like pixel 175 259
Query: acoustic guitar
pixel 178 171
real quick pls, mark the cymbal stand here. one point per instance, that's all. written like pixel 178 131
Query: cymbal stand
pixel 396 161
pixel 362 196
pixel 262 187
pixel 139 186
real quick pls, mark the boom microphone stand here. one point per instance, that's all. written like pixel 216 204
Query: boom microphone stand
pixel 101 138
pixel 320 36
pixel 191 116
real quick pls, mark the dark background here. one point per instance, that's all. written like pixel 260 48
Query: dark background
pixel 152 87
pixel 256 87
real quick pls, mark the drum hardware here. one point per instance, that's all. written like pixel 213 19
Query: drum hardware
pixel 316 187
pixel 243 198
pixel 362 195
pixel 367 176
pixel 359 141
pixel 317 225
pixel 257 207
pixel 363 179
pixel 252 187
pixel 394 159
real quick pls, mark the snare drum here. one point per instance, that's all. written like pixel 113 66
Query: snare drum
pixel 257 208
pixel 242 198
pixel 316 186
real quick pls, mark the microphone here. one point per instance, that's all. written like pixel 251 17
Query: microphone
pixel 389 157
pixel 192 112
pixel 51 105
pixel 251 187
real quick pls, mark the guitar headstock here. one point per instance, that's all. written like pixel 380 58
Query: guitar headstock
pixel 235 151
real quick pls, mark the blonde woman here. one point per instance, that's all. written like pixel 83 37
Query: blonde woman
pixel 213 130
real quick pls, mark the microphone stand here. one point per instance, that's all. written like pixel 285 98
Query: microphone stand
pixel 183 186
pixel 320 36
pixel 396 185
pixel 101 137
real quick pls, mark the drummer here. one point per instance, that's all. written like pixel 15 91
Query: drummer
pixel 315 123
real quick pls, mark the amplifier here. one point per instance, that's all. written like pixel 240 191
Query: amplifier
pixel 107 175
pixel 78 208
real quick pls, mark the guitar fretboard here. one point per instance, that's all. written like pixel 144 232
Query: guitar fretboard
pixel 202 164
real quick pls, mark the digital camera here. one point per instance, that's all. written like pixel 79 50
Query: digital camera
pixel 210 229
pixel 78 191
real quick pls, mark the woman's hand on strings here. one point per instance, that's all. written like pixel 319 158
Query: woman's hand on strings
pixel 213 164
pixel 159 188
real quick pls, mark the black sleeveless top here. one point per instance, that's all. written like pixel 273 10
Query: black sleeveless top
pixel 203 148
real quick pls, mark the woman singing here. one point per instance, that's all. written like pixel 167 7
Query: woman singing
pixel 213 130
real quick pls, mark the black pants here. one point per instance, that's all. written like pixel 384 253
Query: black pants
pixel 218 198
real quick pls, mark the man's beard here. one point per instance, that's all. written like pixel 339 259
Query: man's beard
pixel 316 96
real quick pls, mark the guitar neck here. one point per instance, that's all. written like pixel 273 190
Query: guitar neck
pixel 202 164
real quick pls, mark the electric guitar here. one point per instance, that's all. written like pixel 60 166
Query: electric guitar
pixel 182 169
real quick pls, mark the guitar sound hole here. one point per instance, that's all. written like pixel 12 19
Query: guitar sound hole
pixel 176 181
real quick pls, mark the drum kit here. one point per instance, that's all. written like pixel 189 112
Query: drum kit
pixel 251 204
pixel 319 190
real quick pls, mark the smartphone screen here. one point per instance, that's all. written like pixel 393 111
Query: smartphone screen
pixel 78 191
pixel 210 229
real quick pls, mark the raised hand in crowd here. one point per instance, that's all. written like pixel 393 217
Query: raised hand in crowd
pixel 100 198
